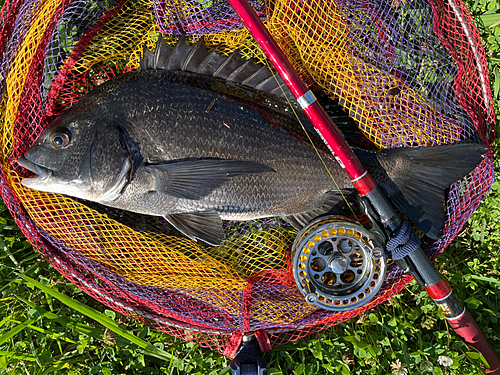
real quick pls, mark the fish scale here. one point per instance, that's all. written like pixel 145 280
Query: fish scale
pixel 197 149
pixel 196 134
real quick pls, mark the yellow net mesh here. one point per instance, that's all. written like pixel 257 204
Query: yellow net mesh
pixel 324 47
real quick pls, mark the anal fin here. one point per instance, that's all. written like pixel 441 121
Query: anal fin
pixel 300 220
pixel 205 225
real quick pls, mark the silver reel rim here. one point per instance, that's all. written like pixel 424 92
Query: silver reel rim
pixel 337 264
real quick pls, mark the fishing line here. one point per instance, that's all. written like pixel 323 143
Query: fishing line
pixel 309 137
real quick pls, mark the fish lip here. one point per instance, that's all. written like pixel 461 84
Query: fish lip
pixel 41 172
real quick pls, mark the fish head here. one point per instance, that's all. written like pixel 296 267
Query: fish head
pixel 80 156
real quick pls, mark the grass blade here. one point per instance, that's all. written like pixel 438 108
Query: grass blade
pixel 51 334
pixel 496 87
pixel 96 333
pixel 14 331
pixel 102 319
pixel 16 355
pixel 490 20
pixel 59 366
pixel 32 348
pixel 225 370
pixel 5 320
pixel 487 279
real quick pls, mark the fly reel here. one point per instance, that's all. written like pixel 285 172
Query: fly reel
pixel 337 264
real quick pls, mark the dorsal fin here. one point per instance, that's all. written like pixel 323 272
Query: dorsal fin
pixel 198 59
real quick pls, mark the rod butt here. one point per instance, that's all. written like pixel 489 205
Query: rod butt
pixel 466 327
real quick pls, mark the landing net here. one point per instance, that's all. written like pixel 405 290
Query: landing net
pixel 410 74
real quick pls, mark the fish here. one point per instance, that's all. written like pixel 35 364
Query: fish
pixel 197 138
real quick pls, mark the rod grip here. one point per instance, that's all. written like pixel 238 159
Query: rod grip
pixel 466 327
pixel 458 317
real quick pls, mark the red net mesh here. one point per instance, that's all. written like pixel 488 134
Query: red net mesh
pixel 409 74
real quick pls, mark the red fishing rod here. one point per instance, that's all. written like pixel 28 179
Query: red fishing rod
pixel 414 261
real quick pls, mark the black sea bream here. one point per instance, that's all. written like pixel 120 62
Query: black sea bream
pixel 196 137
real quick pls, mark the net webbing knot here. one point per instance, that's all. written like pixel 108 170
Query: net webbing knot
pixel 404 242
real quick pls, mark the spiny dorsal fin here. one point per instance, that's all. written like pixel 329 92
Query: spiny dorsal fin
pixel 179 54
pixel 162 54
pixel 198 53
pixel 210 63
pixel 198 59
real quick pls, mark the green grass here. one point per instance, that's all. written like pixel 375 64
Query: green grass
pixel 48 326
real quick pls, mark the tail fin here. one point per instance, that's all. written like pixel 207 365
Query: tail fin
pixel 422 175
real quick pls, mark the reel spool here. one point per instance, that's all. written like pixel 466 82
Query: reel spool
pixel 337 264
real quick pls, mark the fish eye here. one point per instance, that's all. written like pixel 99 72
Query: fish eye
pixel 60 138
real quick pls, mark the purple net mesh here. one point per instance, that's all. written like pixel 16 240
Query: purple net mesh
pixel 206 17
pixel 409 74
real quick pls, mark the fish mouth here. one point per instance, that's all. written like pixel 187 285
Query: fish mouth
pixel 41 172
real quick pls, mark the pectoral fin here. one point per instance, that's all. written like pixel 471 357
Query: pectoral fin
pixel 195 179
pixel 204 225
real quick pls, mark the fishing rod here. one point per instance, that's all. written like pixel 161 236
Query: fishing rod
pixel 403 243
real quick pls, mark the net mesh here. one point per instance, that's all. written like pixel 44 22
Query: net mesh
pixel 409 74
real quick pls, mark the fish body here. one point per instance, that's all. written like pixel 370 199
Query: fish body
pixel 198 148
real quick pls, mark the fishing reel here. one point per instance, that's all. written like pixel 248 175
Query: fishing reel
pixel 338 265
